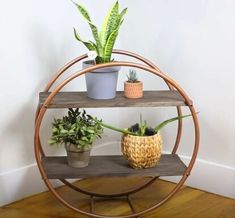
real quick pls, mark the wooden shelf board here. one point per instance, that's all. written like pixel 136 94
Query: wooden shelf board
pixel 111 166
pixel 80 100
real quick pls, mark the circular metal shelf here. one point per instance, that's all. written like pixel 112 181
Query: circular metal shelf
pixel 148 67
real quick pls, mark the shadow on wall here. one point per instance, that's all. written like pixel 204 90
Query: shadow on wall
pixel 43 59
pixel 21 128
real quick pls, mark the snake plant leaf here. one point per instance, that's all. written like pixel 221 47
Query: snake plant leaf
pixel 110 44
pixel 161 125
pixel 89 45
pixel 94 29
pixel 83 11
pixel 122 14
pixel 95 34
pixel 108 23
pixel 93 44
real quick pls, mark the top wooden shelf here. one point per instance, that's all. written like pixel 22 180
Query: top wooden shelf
pixel 80 100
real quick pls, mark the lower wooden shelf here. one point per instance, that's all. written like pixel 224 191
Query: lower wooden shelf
pixel 111 166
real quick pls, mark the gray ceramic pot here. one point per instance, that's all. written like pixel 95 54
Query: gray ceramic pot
pixel 101 83
pixel 77 158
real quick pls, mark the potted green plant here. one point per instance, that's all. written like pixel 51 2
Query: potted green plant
pixel 133 88
pixel 102 83
pixel 77 131
pixel 141 144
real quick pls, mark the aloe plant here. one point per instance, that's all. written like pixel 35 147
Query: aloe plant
pixel 105 39
pixel 142 129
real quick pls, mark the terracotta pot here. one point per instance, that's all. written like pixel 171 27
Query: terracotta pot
pixel 133 90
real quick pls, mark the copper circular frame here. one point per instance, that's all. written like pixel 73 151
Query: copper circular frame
pixel 150 68
pixel 179 131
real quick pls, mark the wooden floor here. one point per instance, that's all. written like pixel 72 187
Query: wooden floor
pixel 188 203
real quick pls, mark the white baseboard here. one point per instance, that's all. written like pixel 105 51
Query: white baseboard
pixel 208 176
pixel 26 181
pixel 19 183
pixel 211 177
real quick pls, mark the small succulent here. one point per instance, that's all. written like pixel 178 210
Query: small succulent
pixel 132 76
pixel 78 128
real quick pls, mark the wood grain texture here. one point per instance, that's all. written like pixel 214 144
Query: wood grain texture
pixel 188 203
pixel 57 167
pixel 80 100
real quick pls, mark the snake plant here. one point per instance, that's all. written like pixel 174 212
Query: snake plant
pixel 105 39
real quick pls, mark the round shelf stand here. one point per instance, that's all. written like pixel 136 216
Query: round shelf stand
pixel 148 67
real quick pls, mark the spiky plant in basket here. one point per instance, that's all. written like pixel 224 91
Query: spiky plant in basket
pixel 142 145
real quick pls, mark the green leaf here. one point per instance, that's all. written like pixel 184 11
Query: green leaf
pixel 96 37
pixel 109 45
pixel 89 45
pixel 90 130
pixel 76 128
pixel 52 141
pixel 94 29
pixel 54 130
pixel 124 131
pixel 81 142
pixel 83 11
pixel 71 131
pixel 163 124
pixel 84 138
pixel 109 23
pixel 63 131
pixel 122 14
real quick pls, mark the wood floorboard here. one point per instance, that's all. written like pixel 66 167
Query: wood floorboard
pixel 187 203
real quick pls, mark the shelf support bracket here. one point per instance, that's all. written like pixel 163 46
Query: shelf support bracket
pixel 131 206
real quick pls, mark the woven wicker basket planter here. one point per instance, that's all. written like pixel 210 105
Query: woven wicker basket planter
pixel 133 90
pixel 142 151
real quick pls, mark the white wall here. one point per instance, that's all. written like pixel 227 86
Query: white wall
pixel 192 41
